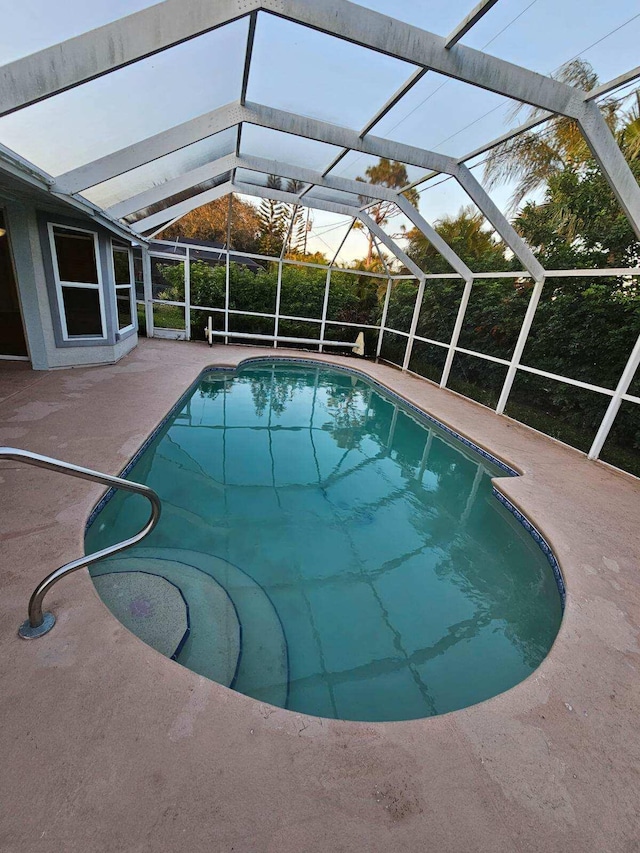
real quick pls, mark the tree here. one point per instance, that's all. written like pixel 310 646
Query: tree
pixel 584 328
pixel 209 222
pixel 280 221
pixel 468 238
pixel 631 130
pixel 580 223
pixel 296 228
pixel 532 158
pixel 273 220
pixel 386 173
pixel 300 232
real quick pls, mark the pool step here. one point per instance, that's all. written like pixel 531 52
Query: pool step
pixel 149 605
pixel 212 644
pixel 263 667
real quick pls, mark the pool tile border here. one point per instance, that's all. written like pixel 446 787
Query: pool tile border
pixel 542 543
pixel 420 412
pixel 306 362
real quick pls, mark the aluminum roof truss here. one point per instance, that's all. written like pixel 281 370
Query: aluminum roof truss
pixel 162 25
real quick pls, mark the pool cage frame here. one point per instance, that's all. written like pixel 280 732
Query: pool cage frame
pixel 139 218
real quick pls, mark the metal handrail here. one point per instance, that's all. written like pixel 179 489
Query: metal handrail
pixel 38 623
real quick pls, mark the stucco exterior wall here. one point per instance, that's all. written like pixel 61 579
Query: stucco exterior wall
pixel 26 221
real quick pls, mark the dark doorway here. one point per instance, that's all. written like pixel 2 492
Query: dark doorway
pixel 12 340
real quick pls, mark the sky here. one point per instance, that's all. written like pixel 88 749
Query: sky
pixel 303 71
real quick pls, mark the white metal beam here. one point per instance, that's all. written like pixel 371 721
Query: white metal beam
pixel 335 161
pixel 383 319
pixel 165 225
pixel 308 176
pixel 382 257
pixel 227 268
pixel 434 238
pixel 291 198
pixel 253 19
pixel 614 167
pixel 598 92
pixel 92 54
pixel 455 335
pixel 523 335
pixel 180 209
pixel 602 144
pixel 610 85
pixel 139 153
pixel 388 35
pixel 170 22
pixel 148 291
pixel 471 19
pixel 505 137
pixel 499 221
pixel 342 242
pixel 186 181
pixel 261 165
pixel 615 402
pixel 321 129
pixel 414 324
pixel 417 75
pixel 390 244
pixel 343 137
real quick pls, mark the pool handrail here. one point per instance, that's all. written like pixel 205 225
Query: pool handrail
pixel 40 623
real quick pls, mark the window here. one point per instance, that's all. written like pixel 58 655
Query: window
pixel 78 282
pixel 124 283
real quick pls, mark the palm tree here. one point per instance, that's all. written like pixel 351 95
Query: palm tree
pixel 631 131
pixel 469 238
pixel 531 158
pixel 387 173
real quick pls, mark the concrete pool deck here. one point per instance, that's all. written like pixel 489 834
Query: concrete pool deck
pixel 108 746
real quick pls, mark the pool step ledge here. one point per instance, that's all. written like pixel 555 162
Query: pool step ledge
pixel 262 669
pixel 211 646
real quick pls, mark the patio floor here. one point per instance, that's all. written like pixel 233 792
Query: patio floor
pixel 108 746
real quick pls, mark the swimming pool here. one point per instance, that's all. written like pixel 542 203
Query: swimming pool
pixel 326 548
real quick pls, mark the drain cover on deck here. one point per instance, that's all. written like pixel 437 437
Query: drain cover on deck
pixel 149 606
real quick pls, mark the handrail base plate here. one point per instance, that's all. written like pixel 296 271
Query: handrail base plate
pixel 28 632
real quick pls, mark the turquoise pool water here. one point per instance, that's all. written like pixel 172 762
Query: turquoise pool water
pixel 324 549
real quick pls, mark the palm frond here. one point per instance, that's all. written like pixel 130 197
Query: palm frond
pixel 533 157
pixel 630 134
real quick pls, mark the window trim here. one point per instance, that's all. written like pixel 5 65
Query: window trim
pixel 130 286
pixel 59 284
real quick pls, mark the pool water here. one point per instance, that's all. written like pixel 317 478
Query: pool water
pixel 325 549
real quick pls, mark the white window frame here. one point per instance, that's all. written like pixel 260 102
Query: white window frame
pixel 77 284
pixel 133 307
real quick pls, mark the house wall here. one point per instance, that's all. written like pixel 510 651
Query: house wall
pixel 27 225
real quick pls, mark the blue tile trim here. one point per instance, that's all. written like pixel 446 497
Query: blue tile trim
pixel 308 362
pixel 422 414
pixel 528 526
pixel 104 500
pixel 539 538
